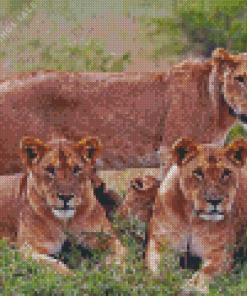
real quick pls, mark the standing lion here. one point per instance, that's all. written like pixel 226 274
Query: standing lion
pixel 132 113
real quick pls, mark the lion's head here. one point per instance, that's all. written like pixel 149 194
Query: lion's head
pixel 59 173
pixel 209 176
pixel 229 79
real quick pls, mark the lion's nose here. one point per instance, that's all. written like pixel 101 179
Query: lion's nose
pixel 65 197
pixel 214 202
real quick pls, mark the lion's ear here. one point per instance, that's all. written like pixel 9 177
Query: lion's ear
pixel 237 152
pixel 220 59
pixel 32 150
pixel 89 148
pixel 184 150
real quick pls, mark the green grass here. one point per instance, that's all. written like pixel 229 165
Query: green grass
pixel 27 278
pixel 93 277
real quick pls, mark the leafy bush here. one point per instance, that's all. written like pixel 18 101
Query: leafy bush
pixel 207 23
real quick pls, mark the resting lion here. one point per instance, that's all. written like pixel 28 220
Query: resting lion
pixel 132 113
pixel 201 203
pixel 139 199
pixel 55 199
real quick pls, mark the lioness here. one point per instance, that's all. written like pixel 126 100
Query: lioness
pixel 201 203
pixel 132 113
pixel 53 200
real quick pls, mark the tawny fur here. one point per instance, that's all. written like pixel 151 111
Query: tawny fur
pixel 54 199
pixel 201 203
pixel 132 113
pixel 139 199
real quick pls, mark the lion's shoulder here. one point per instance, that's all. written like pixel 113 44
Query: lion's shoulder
pixel 12 184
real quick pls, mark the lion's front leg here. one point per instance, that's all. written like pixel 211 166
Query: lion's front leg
pixel 153 256
pixel 95 231
pixel 45 260
pixel 219 261
pixel 38 242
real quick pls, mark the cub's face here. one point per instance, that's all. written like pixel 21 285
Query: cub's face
pixel 60 172
pixel 209 176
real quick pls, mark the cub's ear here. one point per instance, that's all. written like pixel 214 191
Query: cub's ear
pixel 184 150
pixel 32 150
pixel 237 152
pixel 220 59
pixel 144 183
pixel 89 148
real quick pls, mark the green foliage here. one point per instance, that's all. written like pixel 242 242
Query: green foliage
pixel 18 5
pixel 207 23
pixel 61 55
pixel 236 132
pixel 94 277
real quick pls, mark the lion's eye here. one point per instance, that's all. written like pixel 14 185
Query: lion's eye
pixel 51 171
pixel 225 175
pixel 199 174
pixel 240 79
pixel 77 170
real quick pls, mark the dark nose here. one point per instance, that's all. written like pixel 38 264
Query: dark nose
pixel 65 197
pixel 214 202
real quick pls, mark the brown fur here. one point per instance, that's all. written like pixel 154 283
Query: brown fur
pixel 129 112
pixel 139 199
pixel 203 179
pixel 53 200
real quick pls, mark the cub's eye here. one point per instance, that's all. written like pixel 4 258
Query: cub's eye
pixel 77 170
pixel 240 78
pixel 199 174
pixel 225 176
pixel 51 171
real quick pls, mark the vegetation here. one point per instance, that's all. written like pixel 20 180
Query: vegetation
pixel 205 24
pixel 93 277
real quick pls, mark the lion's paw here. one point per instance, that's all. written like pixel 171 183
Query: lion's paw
pixel 198 283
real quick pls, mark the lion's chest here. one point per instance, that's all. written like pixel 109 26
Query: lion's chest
pixel 196 246
pixel 189 240
pixel 55 245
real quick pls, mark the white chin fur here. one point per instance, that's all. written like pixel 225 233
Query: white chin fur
pixel 213 218
pixel 63 214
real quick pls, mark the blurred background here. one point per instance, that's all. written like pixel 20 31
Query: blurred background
pixel 118 35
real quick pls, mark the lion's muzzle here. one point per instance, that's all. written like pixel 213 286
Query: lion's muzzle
pixel 66 199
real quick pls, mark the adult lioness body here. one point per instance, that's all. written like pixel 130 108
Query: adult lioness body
pixel 201 203
pixel 53 200
pixel 129 112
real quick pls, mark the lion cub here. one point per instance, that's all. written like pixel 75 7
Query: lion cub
pixel 201 203
pixel 53 200
pixel 140 198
